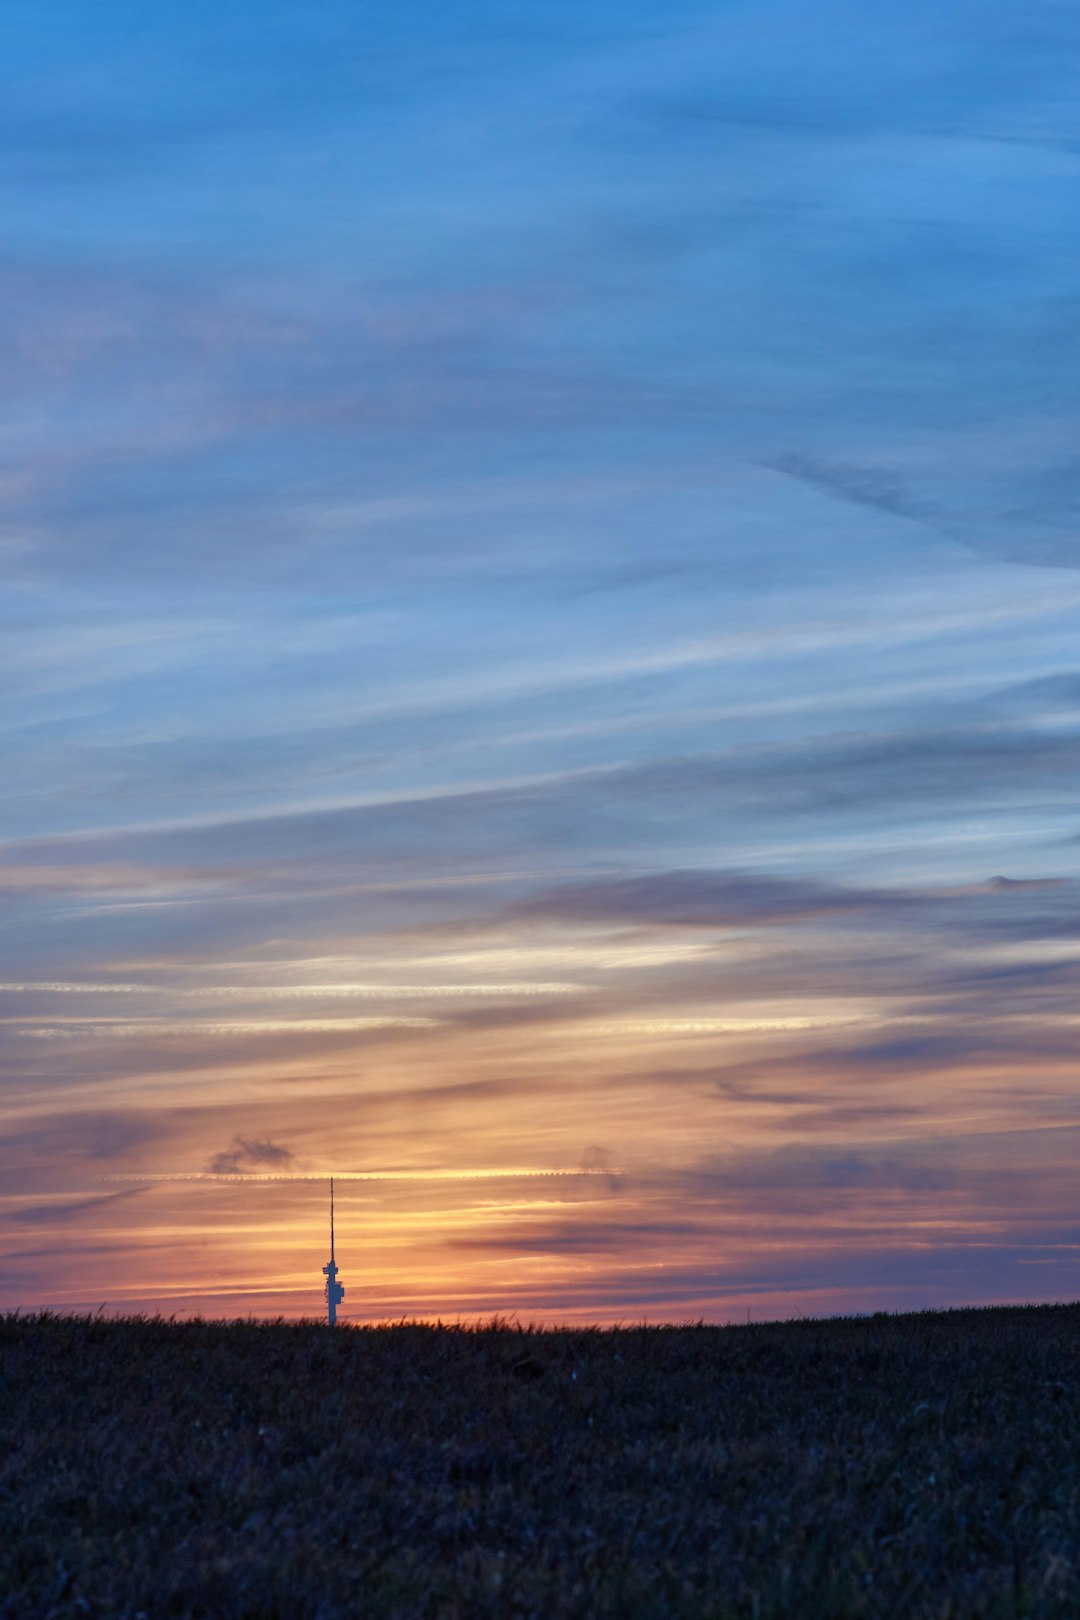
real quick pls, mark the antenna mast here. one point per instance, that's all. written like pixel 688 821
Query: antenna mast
pixel 335 1291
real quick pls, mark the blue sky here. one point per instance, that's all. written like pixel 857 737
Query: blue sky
pixel 540 620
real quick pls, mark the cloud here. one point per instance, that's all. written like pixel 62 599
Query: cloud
pixel 700 899
pixel 610 809
pixel 106 878
pixel 62 1213
pixel 798 1168
pixel 866 486
pixel 248 1153
pixel 78 1134
pixel 1032 516
pixel 598 1161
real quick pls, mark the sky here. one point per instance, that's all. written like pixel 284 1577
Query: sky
pixel 539 633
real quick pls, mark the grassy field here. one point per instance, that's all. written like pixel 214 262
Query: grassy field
pixel 924 1465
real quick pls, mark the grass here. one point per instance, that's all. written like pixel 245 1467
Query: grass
pixel 924 1465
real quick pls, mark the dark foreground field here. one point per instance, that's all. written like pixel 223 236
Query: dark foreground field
pixel 890 1466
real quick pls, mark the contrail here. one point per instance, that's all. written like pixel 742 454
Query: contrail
pixel 240 1176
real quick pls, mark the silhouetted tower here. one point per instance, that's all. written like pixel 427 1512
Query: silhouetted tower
pixel 335 1291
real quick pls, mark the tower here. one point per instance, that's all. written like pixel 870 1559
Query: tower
pixel 335 1291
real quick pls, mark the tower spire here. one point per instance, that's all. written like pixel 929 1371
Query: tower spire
pixel 335 1291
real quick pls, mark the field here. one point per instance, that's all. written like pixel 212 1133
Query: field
pixel 924 1465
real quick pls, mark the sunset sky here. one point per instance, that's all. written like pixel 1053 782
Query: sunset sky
pixel 540 631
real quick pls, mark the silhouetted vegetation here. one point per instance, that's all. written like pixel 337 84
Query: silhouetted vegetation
pixel 923 1465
